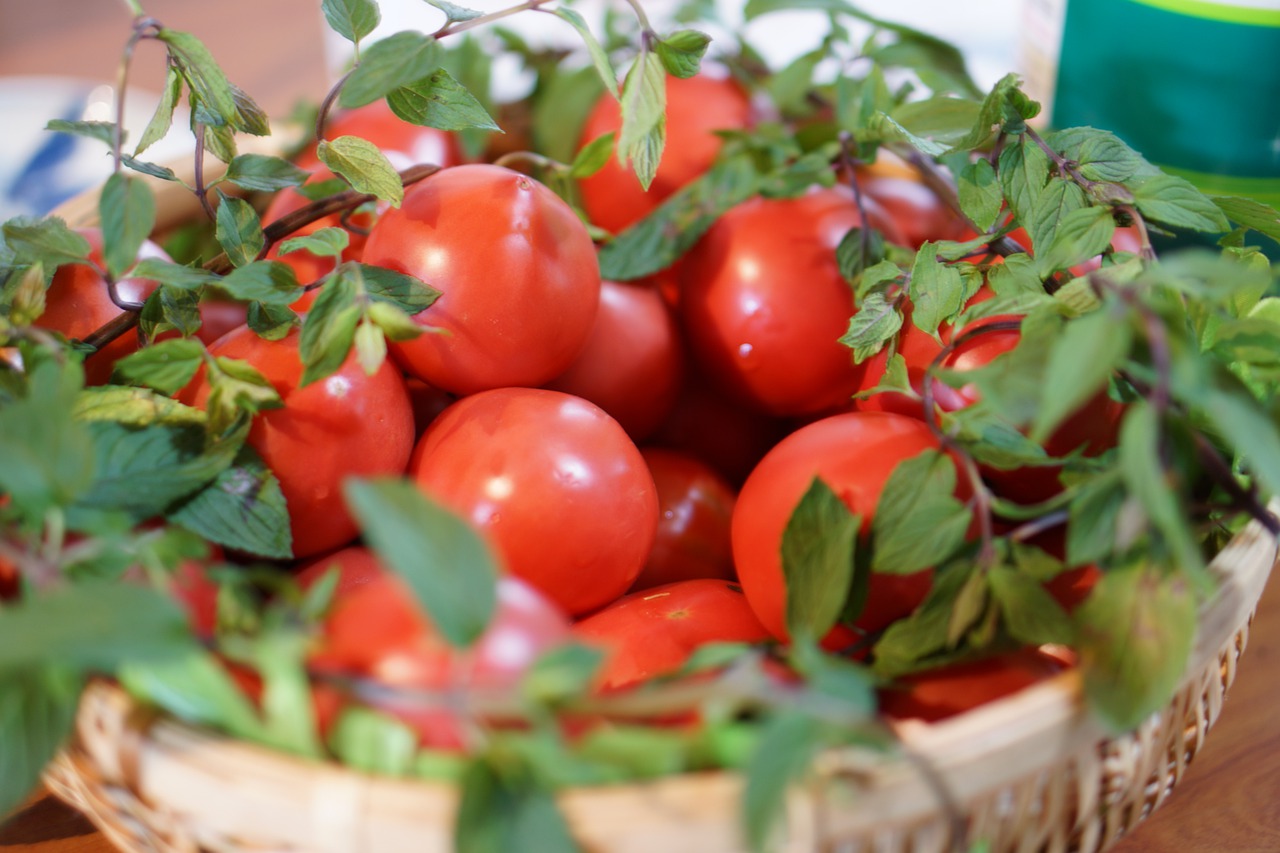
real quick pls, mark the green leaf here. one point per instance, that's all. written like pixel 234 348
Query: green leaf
pixel 250 118
pixel 128 213
pixel 450 568
pixel 1024 174
pixel 370 346
pixel 859 249
pixel 288 712
pixel 644 121
pixel 980 195
pixel 1058 200
pixel 272 282
pixel 37 713
pixel 940 118
pixel 329 330
pixel 208 84
pixel 166 366
pixel 1081 361
pixel 1249 429
pixel 399 60
pixel 1143 471
pixel 1260 217
pixel 937 290
pixel 220 141
pixel 918 522
pixel 783 757
pixel 162 118
pixel 372 742
pixel 1135 634
pixel 817 560
pixel 406 292
pixel 908 644
pixel 239 230
pixel 565 672
pixel 164 173
pixel 264 173
pixel 440 101
pixel 454 12
pixel 1031 615
pixel 1081 234
pixel 48 458
pixel 103 131
pixel 876 322
pixel 272 322
pixel 682 51
pixel 593 157
pixel 174 275
pixel 599 57
pixel 560 110
pixel 242 509
pixel 395 324
pixel 328 242
pixel 1176 202
pixel 92 627
pixel 45 241
pixel 990 113
pixel 136 406
pixel 351 19
pixel 364 165
pixel 497 815
pixel 885 124
pixel 1099 155
pixel 194 687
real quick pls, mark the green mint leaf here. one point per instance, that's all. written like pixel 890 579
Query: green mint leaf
pixel 817 560
pixel 239 230
pixel 885 124
pixel 453 12
pixel 834 677
pixel 370 346
pixel 153 170
pixel 918 522
pixel 859 249
pixel 128 213
pixel 395 324
pixel 883 272
pixel 406 292
pixel 658 240
pixel 989 115
pixel 399 60
pixel 756 8
pixel 250 118
pixel 48 457
pixel 162 118
pixel 682 51
pixel 351 19
pixel 907 644
pixel 92 627
pixel 1176 202
pixel 438 100
pixel 937 290
pixel 1260 217
pixel 271 321
pixel 37 714
pixel 1031 615
pixel 1135 635
pixel 372 742
pixel 940 118
pixel 364 165
pixel 1081 361
pixel 103 131
pixel 1099 155
pixel 782 758
pixel 220 141
pixel 1248 428
pixel 328 242
pixel 1051 208
pixel 980 195
pixel 174 275
pixel 599 57
pixel 287 709
pixel 208 84
pixel 1023 170
pixel 644 122
pixel 194 687
pixel 242 387
pixel 876 322
pixel 48 242
pixel 560 110
pixel 593 157
pixel 166 366
pixel 1080 235
pixel 271 282
pixel 451 569
pixel 264 173
pixel 329 330
pixel 1091 528
pixel 242 509
pixel 498 814
pixel 135 406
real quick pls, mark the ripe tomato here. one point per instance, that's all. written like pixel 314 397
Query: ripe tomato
pixel 355 564
pixel 695 506
pixel 633 361
pixel 197 594
pixel 427 403
pixel 1072 586
pixel 654 631
pixel 953 689
pixel 854 454
pixel 764 304
pixel 377 630
pixel 77 303
pixel 348 424
pixel 9 581
pixel 517 270
pixel 916 210
pixel 555 483
pixel 696 107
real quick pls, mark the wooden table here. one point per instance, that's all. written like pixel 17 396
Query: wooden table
pixel 1230 798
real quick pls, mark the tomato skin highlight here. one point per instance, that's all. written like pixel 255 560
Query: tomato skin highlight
pixel 348 424
pixel 696 107
pixel 764 305
pixel 854 454
pixel 553 481
pixel 695 507
pixel 633 362
pixel 654 631
pixel 517 270
pixel 946 691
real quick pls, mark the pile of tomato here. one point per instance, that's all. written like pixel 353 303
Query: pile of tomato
pixel 632 451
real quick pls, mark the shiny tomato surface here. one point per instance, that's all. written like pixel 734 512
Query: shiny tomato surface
pixel 953 689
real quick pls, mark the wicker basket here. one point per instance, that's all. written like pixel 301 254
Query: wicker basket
pixel 1032 772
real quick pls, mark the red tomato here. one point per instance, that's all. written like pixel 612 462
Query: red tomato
pixel 427 402
pixel 217 317
pixel 355 564
pixel 633 362
pixel 348 424
pixel 9 581
pixel 1072 586
pixel 405 144
pixel 696 107
pixel 764 304
pixel 949 690
pixel 854 454
pixel 916 210
pixel 377 630
pixel 77 303
pixel 553 481
pixel 197 594
pixel 1094 426
pixel 695 506
pixel 517 270
pixel 653 632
